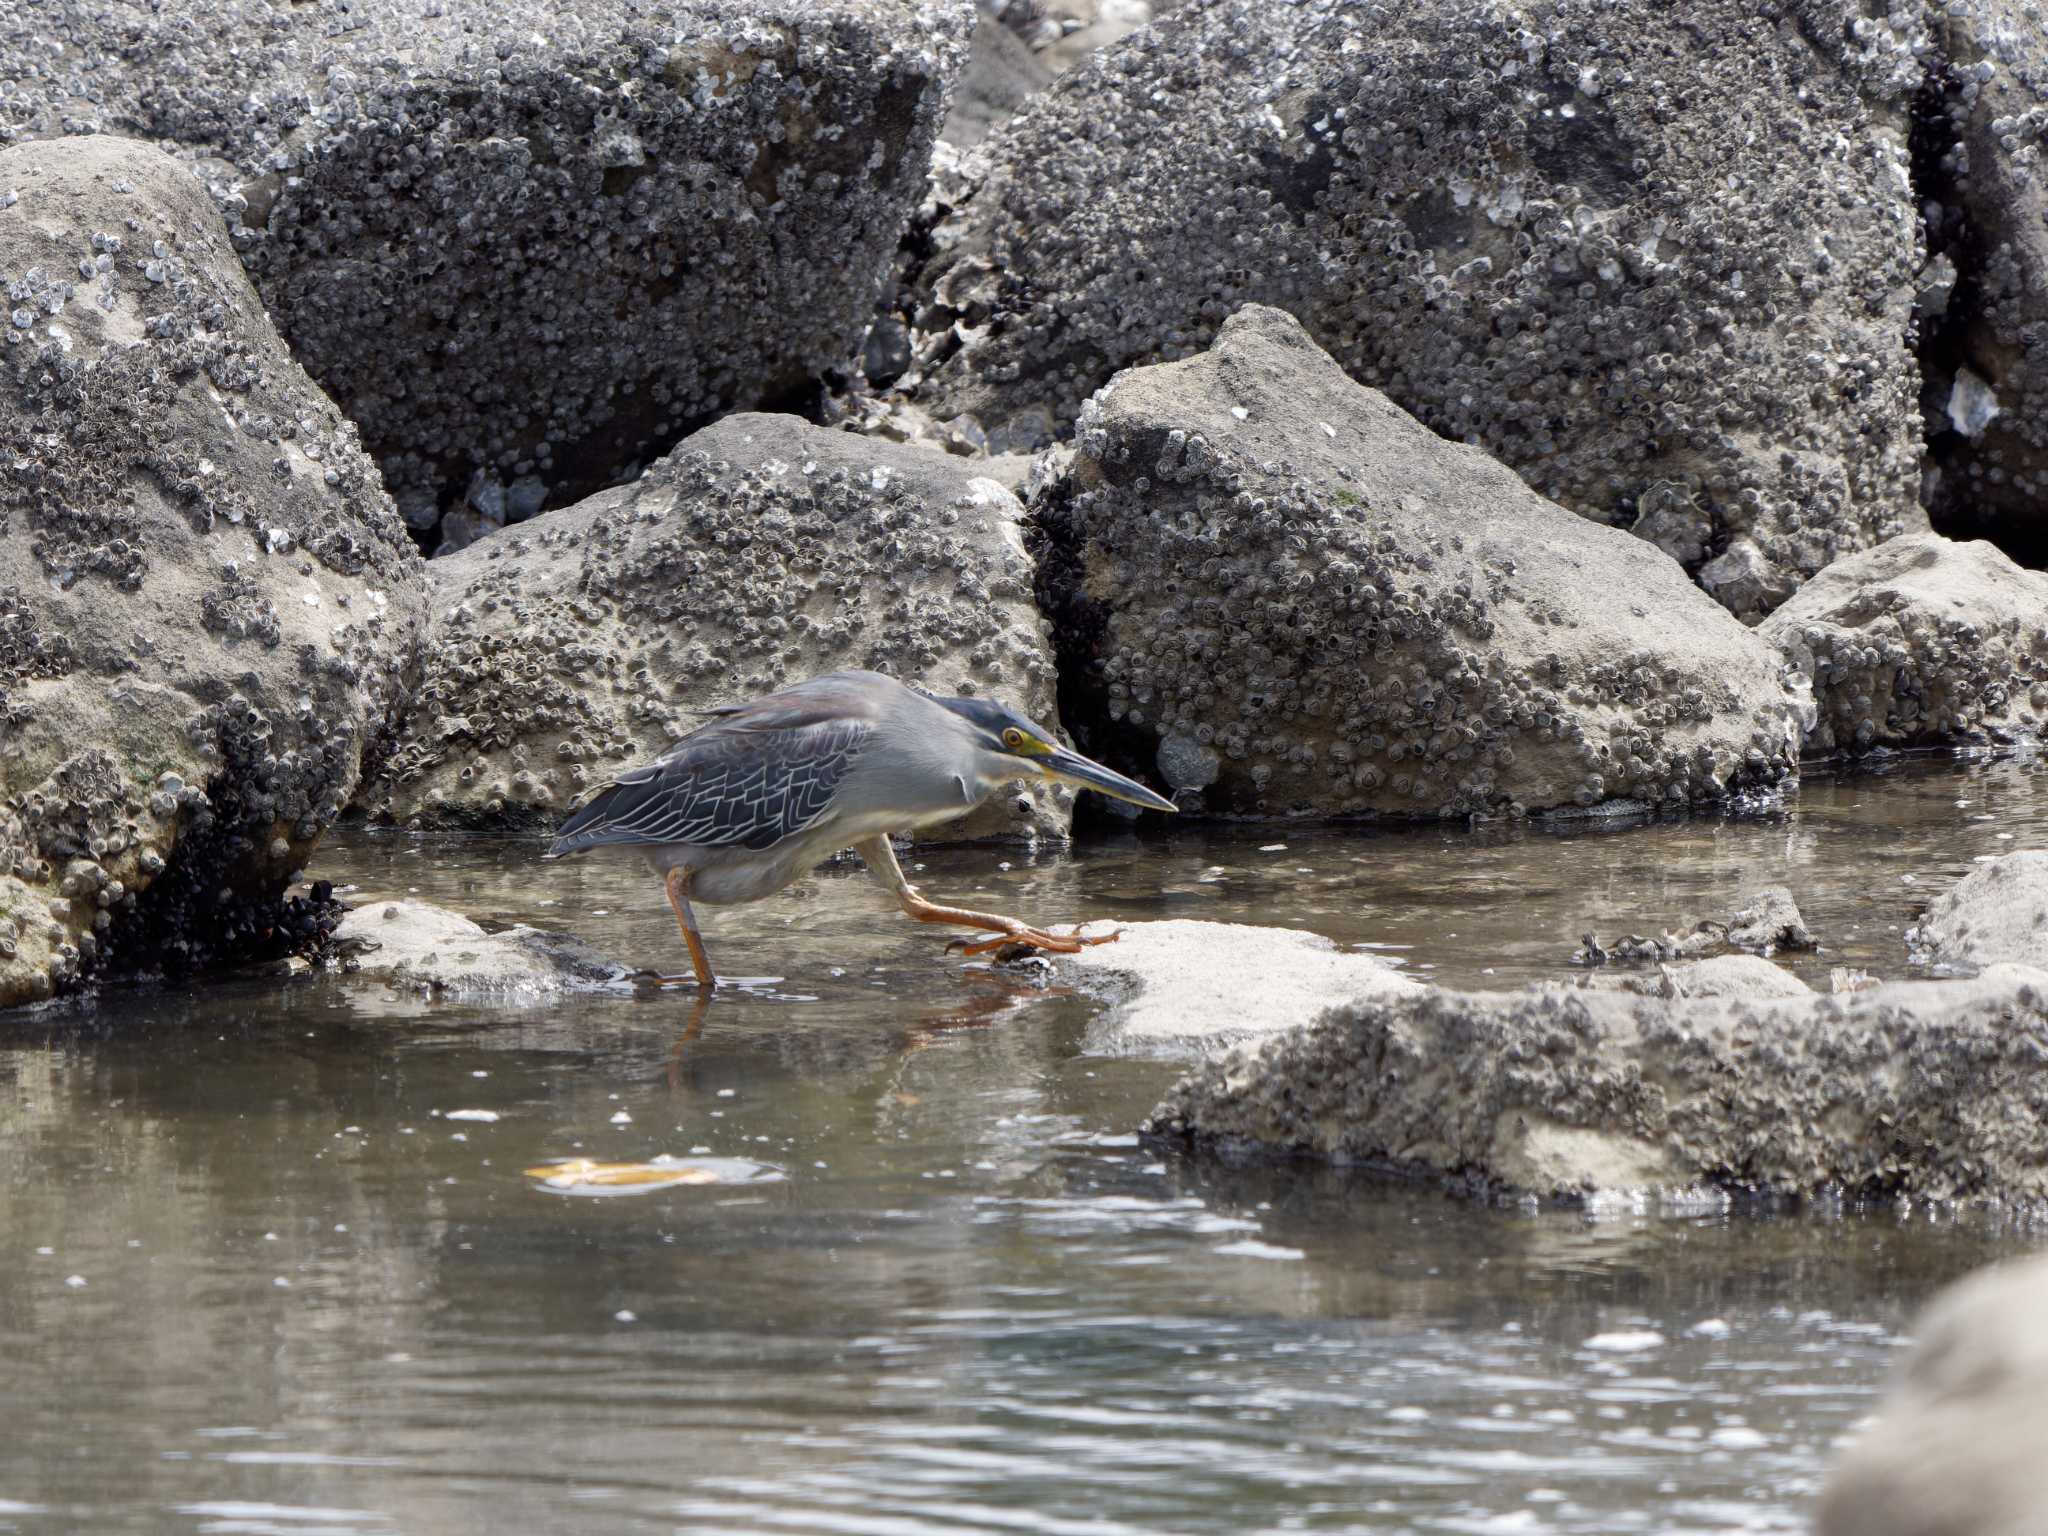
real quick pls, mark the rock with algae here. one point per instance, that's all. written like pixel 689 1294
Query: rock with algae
pixel 1282 594
pixel 527 243
pixel 761 552
pixel 209 607
pixel 1659 259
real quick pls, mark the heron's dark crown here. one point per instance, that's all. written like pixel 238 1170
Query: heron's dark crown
pixel 992 719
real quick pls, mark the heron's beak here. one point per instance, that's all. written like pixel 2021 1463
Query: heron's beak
pixel 1089 774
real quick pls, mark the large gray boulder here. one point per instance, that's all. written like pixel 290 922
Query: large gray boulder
pixel 1659 259
pixel 528 243
pixel 1956 1446
pixel 762 551
pixel 209 608
pixel 1930 1090
pixel 1920 642
pixel 1277 591
pixel 1996 914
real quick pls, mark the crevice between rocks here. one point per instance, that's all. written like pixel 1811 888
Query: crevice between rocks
pixel 1951 296
pixel 621 454
pixel 1077 627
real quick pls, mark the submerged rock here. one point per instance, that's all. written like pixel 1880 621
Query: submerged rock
pixel 1920 1090
pixel 1996 914
pixel 761 552
pixel 1185 987
pixel 1658 259
pixel 1767 922
pixel 1920 642
pixel 532 241
pixel 1283 594
pixel 209 608
pixel 1955 1449
pixel 1736 976
pixel 416 946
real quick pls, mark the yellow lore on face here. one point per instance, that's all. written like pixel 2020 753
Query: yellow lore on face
pixel 1015 740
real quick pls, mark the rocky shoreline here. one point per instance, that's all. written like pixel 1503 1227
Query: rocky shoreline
pixel 1443 473
pixel 1418 410
pixel 1277 552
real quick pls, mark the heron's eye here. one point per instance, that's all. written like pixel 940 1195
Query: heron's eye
pixel 1013 738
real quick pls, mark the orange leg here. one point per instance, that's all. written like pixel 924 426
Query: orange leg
pixel 677 883
pixel 881 861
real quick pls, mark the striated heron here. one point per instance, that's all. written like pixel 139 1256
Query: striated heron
pixel 739 808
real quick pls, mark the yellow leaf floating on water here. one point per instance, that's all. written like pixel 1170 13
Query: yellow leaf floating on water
pixel 588 1176
pixel 587 1171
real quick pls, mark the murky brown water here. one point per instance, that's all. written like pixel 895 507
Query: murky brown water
pixel 254 1278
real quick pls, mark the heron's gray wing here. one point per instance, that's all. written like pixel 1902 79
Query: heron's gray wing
pixel 739 782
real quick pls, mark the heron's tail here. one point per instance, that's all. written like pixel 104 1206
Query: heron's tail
pixel 588 823
pixel 571 837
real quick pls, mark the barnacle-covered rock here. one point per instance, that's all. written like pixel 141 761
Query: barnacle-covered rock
pixel 527 243
pixel 1920 642
pixel 761 552
pixel 1748 977
pixel 208 604
pixel 1922 1090
pixel 1658 259
pixel 1280 593
pixel 1996 914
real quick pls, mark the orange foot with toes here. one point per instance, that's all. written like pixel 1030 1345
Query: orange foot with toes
pixel 1033 939
pixel 1014 933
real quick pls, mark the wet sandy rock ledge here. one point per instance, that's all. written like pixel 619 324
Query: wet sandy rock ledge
pixel 209 608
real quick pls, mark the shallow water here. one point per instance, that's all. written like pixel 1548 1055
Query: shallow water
pixel 253 1277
